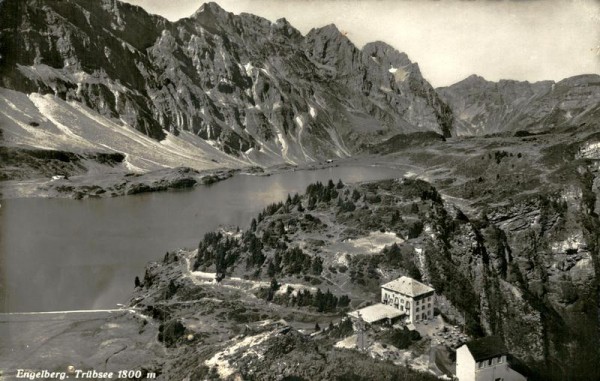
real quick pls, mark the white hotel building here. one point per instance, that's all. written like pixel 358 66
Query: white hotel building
pixel 412 297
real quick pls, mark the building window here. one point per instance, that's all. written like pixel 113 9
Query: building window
pixel 480 364
pixel 489 362
pixel 417 309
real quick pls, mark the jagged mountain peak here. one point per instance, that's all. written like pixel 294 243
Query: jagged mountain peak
pixel 252 88
pixel 212 17
pixel 331 47
pixel 385 54
pixel 282 21
pixel 383 49
pixel 212 8
pixel 473 79
pixel 329 31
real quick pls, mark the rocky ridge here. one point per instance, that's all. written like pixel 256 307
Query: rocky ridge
pixel 482 107
pixel 252 88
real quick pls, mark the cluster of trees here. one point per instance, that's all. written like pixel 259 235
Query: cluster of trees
pixel 401 338
pixel 343 329
pixel 431 194
pixel 412 188
pixel 415 229
pixel 318 192
pixel 447 280
pixel 499 155
pixel 294 261
pixel 363 270
pixel 254 247
pixel 272 233
pixel 396 257
pixel 321 301
pixel 293 200
pixel 549 204
pixel 170 332
pixel 271 209
pixel 217 249
pixel 346 205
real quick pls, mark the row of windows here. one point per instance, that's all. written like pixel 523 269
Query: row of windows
pixel 390 299
pixel 423 308
pixel 396 305
pixel 490 362
pixel 428 299
pixel 424 315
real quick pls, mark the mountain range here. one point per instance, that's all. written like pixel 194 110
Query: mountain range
pixel 223 90
pixel 482 107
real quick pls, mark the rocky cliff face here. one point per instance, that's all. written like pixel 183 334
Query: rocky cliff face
pixel 530 268
pixel 252 88
pixel 483 107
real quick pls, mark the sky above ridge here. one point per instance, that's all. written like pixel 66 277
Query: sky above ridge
pixel 529 40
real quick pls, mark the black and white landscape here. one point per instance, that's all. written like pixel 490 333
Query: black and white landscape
pixel 209 198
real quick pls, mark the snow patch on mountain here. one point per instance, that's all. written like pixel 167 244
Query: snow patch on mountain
pixel 299 121
pixel 283 144
pixel 248 67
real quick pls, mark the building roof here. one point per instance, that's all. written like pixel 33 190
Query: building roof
pixel 376 312
pixel 487 348
pixel 408 286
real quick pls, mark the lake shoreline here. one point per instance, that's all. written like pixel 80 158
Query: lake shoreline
pixel 93 248
pixel 118 183
pixel 113 184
